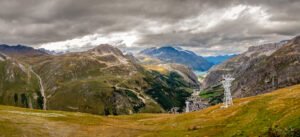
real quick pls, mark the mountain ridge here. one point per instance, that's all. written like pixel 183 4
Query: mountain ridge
pixel 101 81
pixel 171 54
pixel 16 50
pixel 272 64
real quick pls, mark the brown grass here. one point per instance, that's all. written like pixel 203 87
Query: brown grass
pixel 251 116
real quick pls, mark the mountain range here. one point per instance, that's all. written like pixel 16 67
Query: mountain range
pixel 100 81
pixel 104 81
pixel 178 55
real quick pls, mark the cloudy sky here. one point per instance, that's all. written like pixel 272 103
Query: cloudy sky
pixel 208 27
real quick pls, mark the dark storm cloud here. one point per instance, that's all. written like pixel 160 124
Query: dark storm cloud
pixel 151 22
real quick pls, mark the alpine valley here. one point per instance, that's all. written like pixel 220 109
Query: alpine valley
pixel 149 68
pixel 104 81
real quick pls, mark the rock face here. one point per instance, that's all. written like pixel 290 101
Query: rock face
pixel 170 54
pixel 280 69
pixel 99 81
pixel 261 69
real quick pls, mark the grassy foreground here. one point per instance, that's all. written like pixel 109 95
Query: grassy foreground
pixel 252 116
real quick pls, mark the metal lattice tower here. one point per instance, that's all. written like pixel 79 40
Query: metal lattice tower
pixel 187 106
pixel 226 82
pixel 194 102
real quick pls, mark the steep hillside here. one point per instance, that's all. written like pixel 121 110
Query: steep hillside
pixel 239 64
pixel 18 85
pixel 257 70
pixel 151 63
pixel 186 73
pixel 103 81
pixel 280 69
pixel 272 114
pixel 170 54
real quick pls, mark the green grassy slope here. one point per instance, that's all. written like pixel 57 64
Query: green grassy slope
pixel 264 115
pixel 18 86
pixel 213 95
pixel 99 81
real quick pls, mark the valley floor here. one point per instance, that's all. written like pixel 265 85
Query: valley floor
pixel 253 116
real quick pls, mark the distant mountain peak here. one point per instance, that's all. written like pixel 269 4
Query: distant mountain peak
pixel 167 48
pixel 175 54
pixel 20 50
pixel 105 49
pixel 18 46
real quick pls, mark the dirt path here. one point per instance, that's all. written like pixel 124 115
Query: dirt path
pixel 144 97
pixel 42 89
pixel 135 92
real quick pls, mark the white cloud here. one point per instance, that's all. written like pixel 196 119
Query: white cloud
pixel 234 12
pixel 212 31
pixel 90 41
